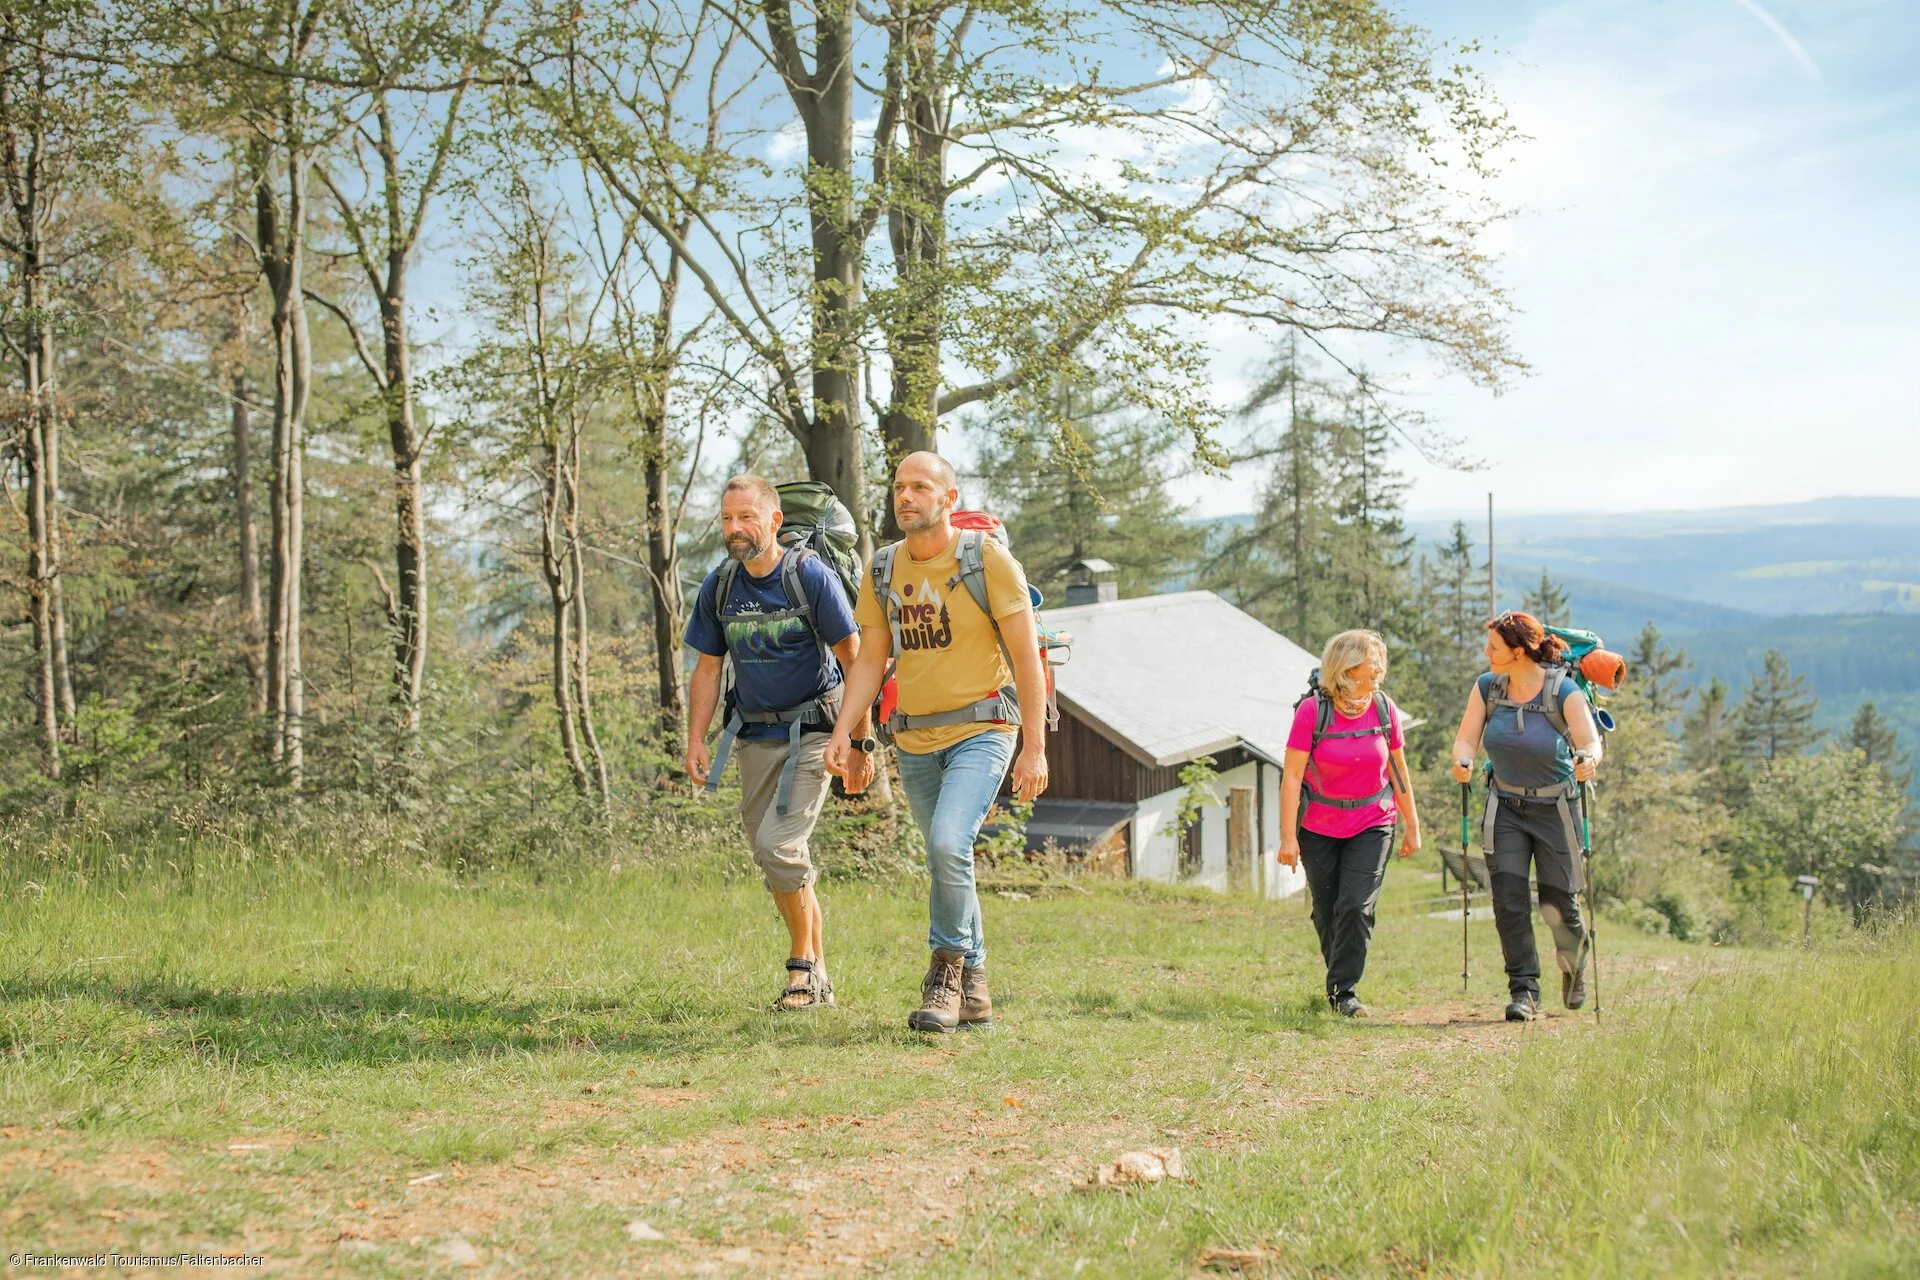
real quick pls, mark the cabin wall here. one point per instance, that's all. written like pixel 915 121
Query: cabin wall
pixel 1156 854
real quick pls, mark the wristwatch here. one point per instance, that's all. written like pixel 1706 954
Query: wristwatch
pixel 863 745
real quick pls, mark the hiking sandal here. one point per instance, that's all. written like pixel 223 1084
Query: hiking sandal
pixel 818 993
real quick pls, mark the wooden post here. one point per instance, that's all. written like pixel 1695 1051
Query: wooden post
pixel 1240 839
pixel 1262 855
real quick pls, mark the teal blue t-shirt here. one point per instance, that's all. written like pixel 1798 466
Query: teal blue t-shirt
pixel 1533 756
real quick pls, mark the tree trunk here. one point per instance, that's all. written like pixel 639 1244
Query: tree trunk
pixel 824 102
pixel 582 686
pixel 663 549
pixel 563 685
pixel 249 543
pixel 916 224
pixel 282 260
pixel 410 541
pixel 663 575
pixel 554 566
pixel 1298 523
pixel 39 599
pixel 49 414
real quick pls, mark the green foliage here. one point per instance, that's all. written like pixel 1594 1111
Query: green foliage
pixel 1547 601
pixel 1775 717
pixel 1832 814
pixel 1655 668
pixel 1873 736
pixel 1708 735
pixel 1090 483
pixel 1007 836
pixel 1197 777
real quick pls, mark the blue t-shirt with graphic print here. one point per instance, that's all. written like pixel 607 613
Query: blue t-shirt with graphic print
pixel 777 664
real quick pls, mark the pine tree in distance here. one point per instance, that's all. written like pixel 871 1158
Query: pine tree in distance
pixel 1088 480
pixel 1655 668
pixel 1874 737
pixel 1775 718
pixel 1707 736
pixel 1548 602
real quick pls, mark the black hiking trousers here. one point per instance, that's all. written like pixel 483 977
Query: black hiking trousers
pixel 1526 832
pixel 1343 878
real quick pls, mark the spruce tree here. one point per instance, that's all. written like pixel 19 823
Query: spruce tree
pixel 1548 602
pixel 1088 481
pixel 1708 735
pixel 1654 667
pixel 1775 718
pixel 1369 551
pixel 1276 568
pixel 1874 737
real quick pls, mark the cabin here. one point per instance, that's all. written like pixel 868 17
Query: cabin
pixel 1153 684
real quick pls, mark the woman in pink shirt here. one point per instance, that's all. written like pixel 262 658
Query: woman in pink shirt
pixel 1346 753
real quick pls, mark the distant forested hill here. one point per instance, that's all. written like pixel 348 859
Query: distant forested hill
pixel 1833 584
pixel 1836 555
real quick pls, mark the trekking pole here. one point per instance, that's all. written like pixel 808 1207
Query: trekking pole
pixel 1466 792
pixel 1586 867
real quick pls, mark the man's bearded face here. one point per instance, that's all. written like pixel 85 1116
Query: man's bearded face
pixel 746 526
pixel 918 507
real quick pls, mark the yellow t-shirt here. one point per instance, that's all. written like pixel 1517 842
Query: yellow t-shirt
pixel 952 655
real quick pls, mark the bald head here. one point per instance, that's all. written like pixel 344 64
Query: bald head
pixel 925 489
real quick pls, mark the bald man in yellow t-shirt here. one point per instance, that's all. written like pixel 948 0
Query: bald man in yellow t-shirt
pixel 958 719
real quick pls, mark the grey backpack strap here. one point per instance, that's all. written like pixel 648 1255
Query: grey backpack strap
pixel 791 565
pixel 720 753
pixel 725 575
pixel 1553 697
pixel 971 556
pixel 882 572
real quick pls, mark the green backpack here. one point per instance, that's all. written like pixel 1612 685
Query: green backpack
pixel 814 518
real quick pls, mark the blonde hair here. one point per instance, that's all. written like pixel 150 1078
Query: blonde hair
pixel 1343 653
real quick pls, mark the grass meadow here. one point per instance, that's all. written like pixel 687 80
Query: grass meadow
pixel 356 1071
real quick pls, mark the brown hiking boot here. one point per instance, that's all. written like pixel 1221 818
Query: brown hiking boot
pixel 939 995
pixel 976 1005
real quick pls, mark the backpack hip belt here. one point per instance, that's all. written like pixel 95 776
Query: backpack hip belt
pixel 821 710
pixel 1336 802
pixel 1003 707
pixel 1559 793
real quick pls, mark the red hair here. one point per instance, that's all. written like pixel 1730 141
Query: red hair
pixel 1525 632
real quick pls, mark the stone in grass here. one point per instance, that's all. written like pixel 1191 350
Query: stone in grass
pixel 1137 1168
pixel 459 1251
pixel 644 1232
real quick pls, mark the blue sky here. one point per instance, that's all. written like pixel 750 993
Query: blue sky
pixel 1718 261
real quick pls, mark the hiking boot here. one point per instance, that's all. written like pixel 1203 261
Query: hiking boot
pixel 939 1009
pixel 1349 1006
pixel 1524 1008
pixel 976 1005
pixel 1573 981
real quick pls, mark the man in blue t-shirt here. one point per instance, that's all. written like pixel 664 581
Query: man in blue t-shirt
pixel 787 656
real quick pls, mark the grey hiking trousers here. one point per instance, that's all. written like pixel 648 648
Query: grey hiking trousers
pixel 1529 832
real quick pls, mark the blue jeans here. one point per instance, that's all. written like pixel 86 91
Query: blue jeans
pixel 950 792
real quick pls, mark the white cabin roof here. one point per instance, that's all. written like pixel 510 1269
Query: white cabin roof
pixel 1176 676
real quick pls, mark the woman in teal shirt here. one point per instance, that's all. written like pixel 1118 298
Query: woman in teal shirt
pixel 1541 739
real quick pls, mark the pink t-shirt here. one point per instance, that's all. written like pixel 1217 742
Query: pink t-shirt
pixel 1346 769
